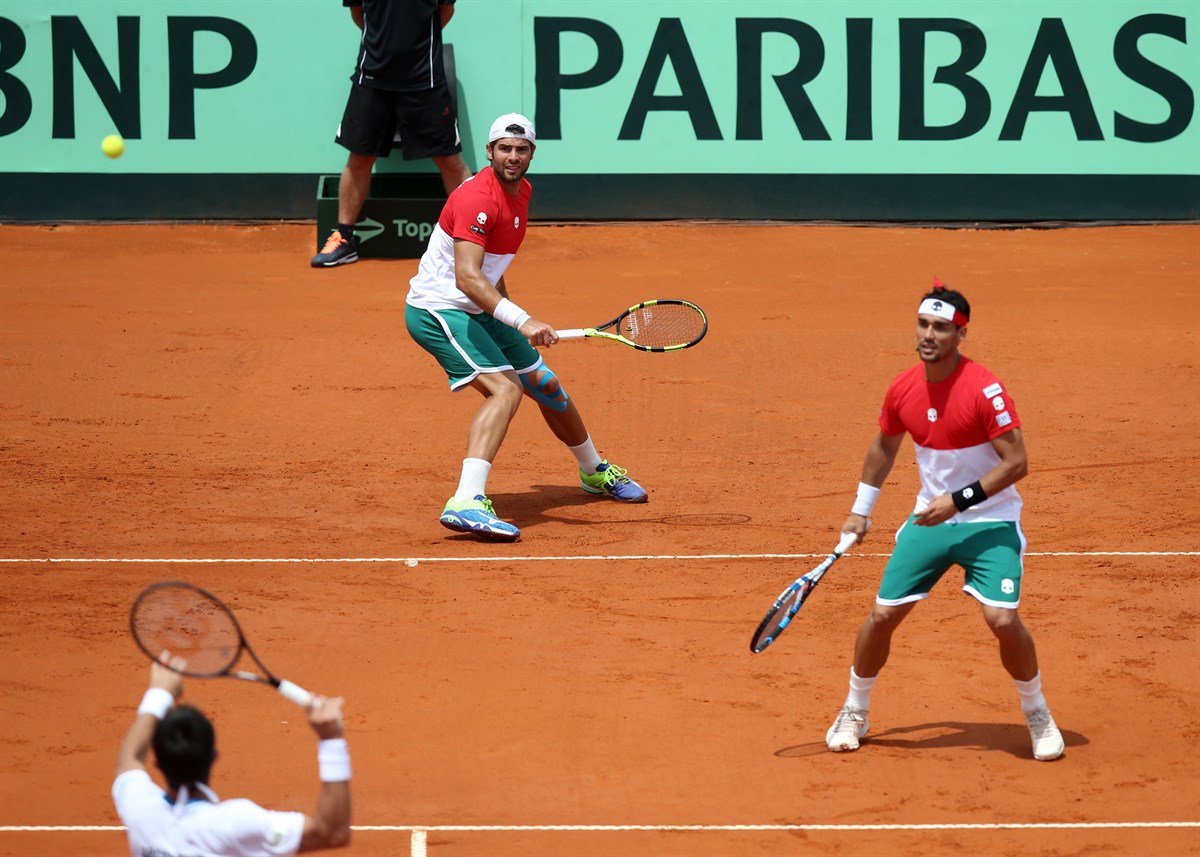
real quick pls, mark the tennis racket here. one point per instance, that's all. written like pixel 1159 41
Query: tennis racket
pixel 667 325
pixel 174 619
pixel 788 604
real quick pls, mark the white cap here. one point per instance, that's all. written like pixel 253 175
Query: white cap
pixel 512 125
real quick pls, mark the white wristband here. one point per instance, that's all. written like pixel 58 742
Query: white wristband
pixel 864 500
pixel 333 760
pixel 507 312
pixel 157 701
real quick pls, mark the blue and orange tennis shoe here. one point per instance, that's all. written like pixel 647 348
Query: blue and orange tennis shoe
pixel 478 518
pixel 338 250
pixel 613 481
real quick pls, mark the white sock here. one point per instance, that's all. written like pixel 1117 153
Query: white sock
pixel 860 690
pixel 586 455
pixel 474 478
pixel 1031 693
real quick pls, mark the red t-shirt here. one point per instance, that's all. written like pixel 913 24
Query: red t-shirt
pixel 953 423
pixel 482 212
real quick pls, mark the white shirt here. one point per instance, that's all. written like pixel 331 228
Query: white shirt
pixel 231 828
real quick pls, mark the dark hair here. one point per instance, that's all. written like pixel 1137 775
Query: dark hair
pixel 955 299
pixel 184 746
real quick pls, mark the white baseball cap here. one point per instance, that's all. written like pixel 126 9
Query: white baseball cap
pixel 512 125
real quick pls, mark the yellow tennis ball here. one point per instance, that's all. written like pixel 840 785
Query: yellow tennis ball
pixel 113 145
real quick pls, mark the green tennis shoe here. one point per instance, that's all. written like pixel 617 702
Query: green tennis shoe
pixel 613 481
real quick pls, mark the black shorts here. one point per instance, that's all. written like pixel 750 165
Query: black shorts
pixel 424 122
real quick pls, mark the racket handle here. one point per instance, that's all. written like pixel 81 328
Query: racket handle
pixel 295 693
pixel 573 333
pixel 847 542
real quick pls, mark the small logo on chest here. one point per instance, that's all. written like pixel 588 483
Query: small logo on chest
pixel 932 414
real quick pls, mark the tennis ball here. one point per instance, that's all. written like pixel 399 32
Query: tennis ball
pixel 113 145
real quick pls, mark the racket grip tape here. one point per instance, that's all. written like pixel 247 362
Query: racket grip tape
pixel 295 693
pixel 847 542
pixel 573 333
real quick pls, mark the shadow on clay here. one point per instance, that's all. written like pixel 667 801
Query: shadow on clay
pixel 1011 738
pixel 542 504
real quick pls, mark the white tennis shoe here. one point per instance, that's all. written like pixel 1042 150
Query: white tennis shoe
pixel 1047 740
pixel 850 725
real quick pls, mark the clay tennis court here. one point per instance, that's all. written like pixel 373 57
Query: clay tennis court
pixel 197 392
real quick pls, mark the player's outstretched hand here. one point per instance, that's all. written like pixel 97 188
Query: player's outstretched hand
pixel 168 679
pixel 325 716
pixel 857 524
pixel 538 333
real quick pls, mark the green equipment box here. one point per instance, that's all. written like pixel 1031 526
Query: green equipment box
pixel 397 216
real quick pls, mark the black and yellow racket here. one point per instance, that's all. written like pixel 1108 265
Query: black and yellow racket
pixel 666 325
pixel 189 630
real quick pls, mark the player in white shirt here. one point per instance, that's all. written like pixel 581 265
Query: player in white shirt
pixel 187 819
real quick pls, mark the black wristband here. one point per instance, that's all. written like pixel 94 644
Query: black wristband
pixel 967 497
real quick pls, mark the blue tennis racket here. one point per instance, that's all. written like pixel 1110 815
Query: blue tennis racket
pixel 788 604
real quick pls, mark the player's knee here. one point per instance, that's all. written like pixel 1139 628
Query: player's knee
pixel 1004 623
pixel 885 618
pixel 544 388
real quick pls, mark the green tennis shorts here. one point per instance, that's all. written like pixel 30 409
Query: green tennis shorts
pixel 991 554
pixel 467 345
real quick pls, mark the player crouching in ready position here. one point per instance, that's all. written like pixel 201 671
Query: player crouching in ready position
pixel 187 818
pixel 970 453
pixel 459 311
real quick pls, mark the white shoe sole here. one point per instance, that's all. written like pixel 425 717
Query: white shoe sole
pixel 844 746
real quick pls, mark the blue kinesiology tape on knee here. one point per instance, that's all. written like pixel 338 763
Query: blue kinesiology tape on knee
pixel 547 391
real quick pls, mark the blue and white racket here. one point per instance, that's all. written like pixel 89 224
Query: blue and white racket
pixel 788 604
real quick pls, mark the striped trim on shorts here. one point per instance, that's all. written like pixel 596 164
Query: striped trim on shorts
pixel 991 554
pixel 467 345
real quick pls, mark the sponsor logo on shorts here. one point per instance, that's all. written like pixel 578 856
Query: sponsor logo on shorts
pixel 1003 418
pixel 998 403
pixel 1007 586
pixel 481 217
pixel 932 414
pixel 478 231
pixel 993 390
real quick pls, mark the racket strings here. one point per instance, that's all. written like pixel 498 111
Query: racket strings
pixel 663 325
pixel 184 623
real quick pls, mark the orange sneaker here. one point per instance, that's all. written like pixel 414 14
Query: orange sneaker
pixel 337 251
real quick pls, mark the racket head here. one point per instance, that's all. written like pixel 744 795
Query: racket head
pixel 785 608
pixel 186 622
pixel 663 325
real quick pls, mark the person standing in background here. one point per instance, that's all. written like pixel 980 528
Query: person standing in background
pixel 398 86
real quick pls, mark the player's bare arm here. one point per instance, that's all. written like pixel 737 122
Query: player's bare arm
pixel 470 280
pixel 881 456
pixel 136 745
pixel 1013 466
pixel 446 10
pixel 329 825
pixel 356 14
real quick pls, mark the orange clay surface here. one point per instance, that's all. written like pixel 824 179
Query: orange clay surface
pixel 183 392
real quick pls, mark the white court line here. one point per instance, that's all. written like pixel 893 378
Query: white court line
pixel 617 828
pixel 586 558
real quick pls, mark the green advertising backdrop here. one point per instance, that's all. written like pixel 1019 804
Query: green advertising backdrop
pixel 854 102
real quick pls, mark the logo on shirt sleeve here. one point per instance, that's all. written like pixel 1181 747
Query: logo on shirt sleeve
pixel 481 218
pixel 989 391
pixel 478 231
pixel 1003 418
pixel 998 403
